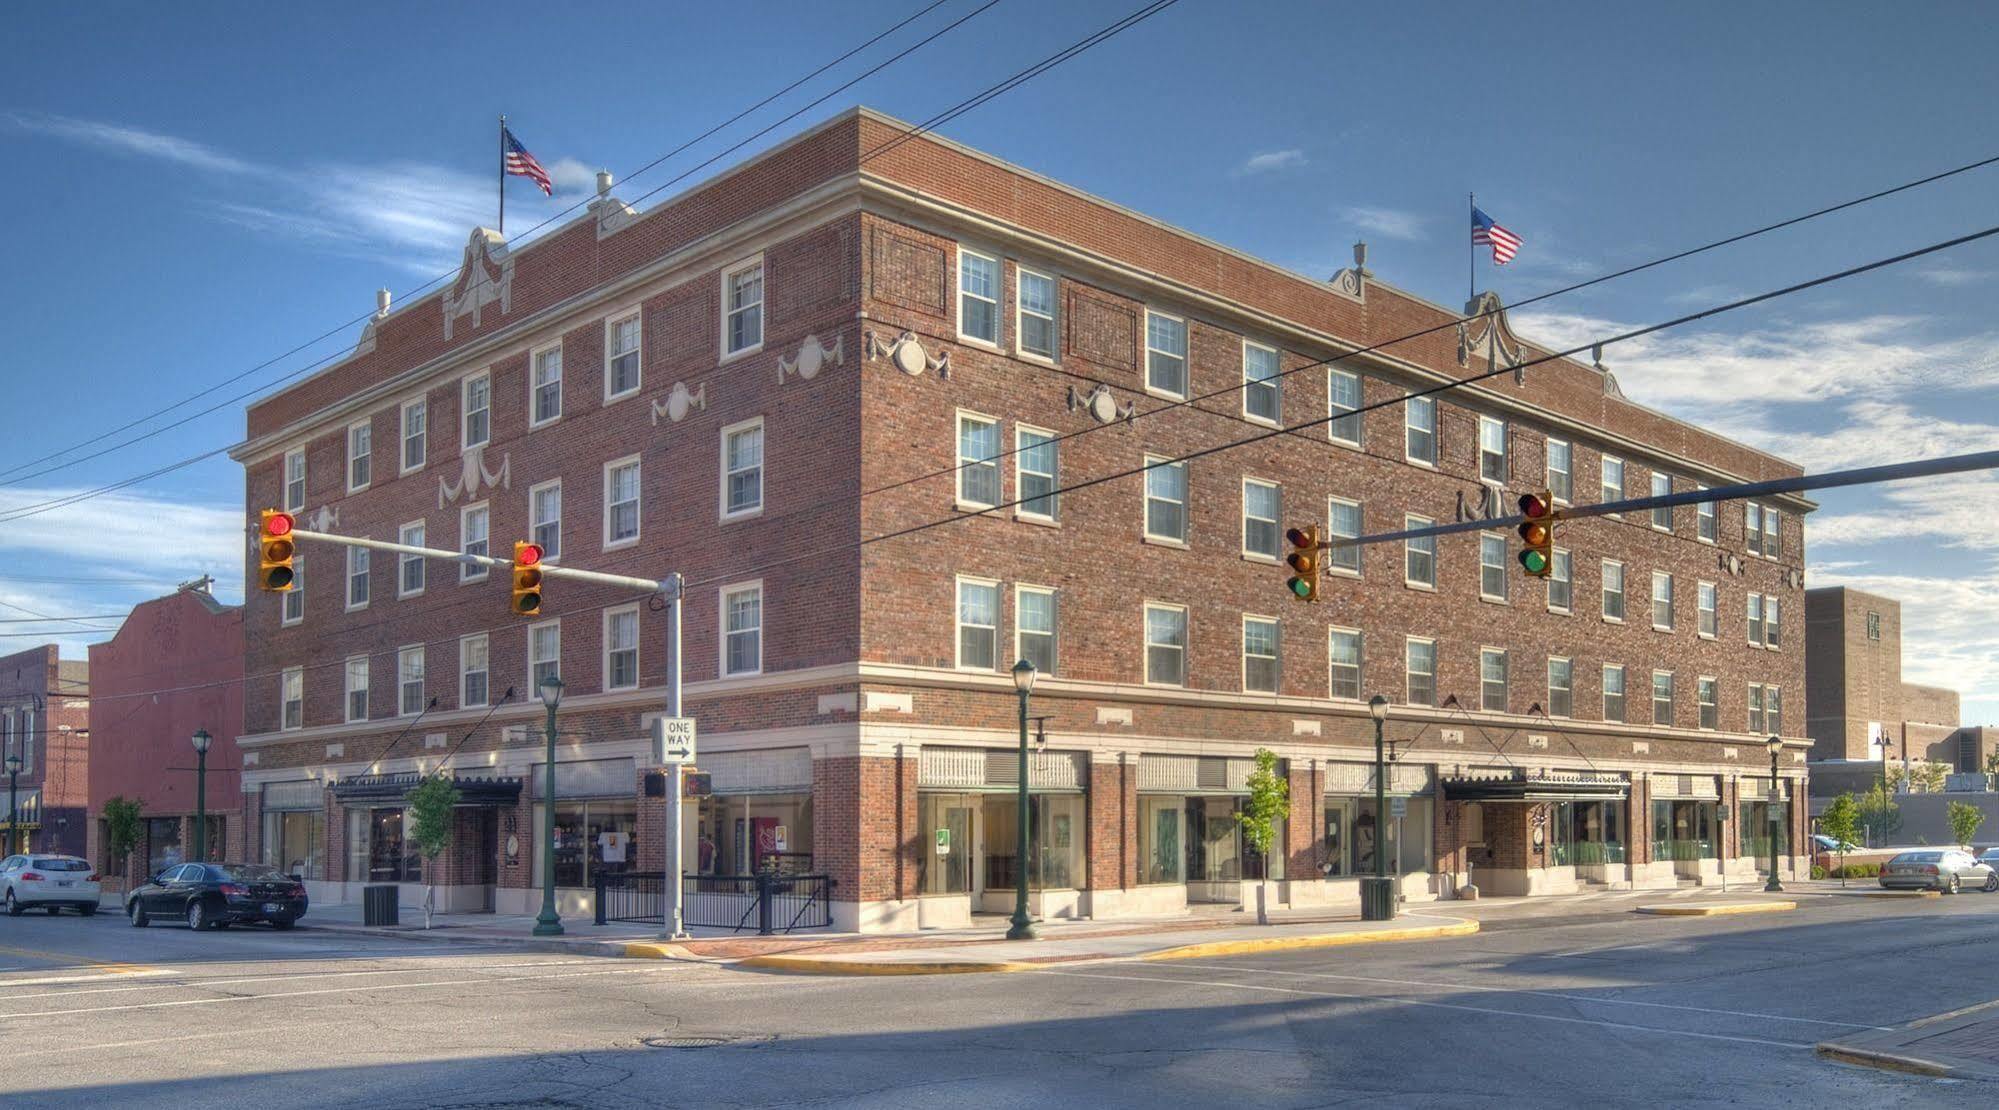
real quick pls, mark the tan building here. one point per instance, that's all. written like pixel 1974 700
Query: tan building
pixel 1857 706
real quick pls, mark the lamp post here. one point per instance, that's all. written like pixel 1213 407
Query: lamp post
pixel 1377 895
pixel 13 812
pixel 549 923
pixel 201 740
pixel 1022 927
pixel 1776 747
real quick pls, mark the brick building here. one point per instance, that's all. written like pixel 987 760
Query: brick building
pixel 771 381
pixel 170 670
pixel 1861 709
pixel 44 719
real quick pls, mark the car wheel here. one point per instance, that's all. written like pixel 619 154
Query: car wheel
pixel 197 916
pixel 137 913
pixel 88 909
pixel 1991 882
pixel 13 907
pixel 1953 886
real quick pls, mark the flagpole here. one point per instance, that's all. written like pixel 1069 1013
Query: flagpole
pixel 1471 251
pixel 503 177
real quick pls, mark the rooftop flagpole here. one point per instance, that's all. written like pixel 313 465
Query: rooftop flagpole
pixel 1471 250
pixel 503 178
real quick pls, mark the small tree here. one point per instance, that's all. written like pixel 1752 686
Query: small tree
pixel 431 805
pixel 1879 815
pixel 1269 803
pixel 1992 762
pixel 121 831
pixel 1964 820
pixel 1841 821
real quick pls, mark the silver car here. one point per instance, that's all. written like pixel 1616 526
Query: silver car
pixel 1945 869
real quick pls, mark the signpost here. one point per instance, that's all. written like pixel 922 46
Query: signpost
pixel 673 748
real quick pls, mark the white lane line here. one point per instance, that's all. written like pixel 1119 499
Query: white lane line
pixel 1398 1001
pixel 1535 993
pixel 191 984
pixel 97 977
pixel 1614 948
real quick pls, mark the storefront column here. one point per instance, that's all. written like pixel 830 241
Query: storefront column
pixel 1638 822
pixel 252 841
pixel 1729 844
pixel 1302 831
pixel 1448 830
pixel 651 831
pixel 335 856
pixel 1506 837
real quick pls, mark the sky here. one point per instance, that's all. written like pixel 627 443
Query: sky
pixel 198 192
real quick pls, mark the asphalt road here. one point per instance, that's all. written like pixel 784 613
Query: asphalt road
pixel 1613 1011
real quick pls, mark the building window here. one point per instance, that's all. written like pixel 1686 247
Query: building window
pixel 1165 355
pixel 1756 708
pixel 1662 697
pixel 409 683
pixel 743 629
pixel 1773 704
pixel 1419 430
pixel 295 481
pixel 1342 522
pixel 1771 638
pixel 743 469
pixel 978 297
pixel 474 671
pixel 621 357
pixel 1561 582
pixel 1419 662
pixel 621 502
pixel 545 517
pixel 1561 687
pixel 1561 471
pixel 1613 692
pixel 1755 609
pixel 1259 518
pixel 1492 679
pixel 1343 402
pixel 978 461
pixel 1491 567
pixel 1034 322
pixel 1034 474
pixel 1773 533
pixel 621 648
pixel 357 578
pixel 475 426
pixel 410 568
pixel 1165 500
pixel 475 537
pixel 360 456
pixel 1662 601
pixel 1343 652
pixel 545 386
pixel 743 308
pixel 1419 554
pixel 1704 529
pixel 1612 488
pixel 1034 627
pixel 1613 590
pixel 1260 384
pixel 357 688
pixel 1259 655
pixel 544 653
pixel 1707 599
pixel 1704 696
pixel 416 428
pixel 1662 515
pixel 978 625
pixel 294 603
pixel 1873 625
pixel 1165 645
pixel 291 698
pixel 1492 450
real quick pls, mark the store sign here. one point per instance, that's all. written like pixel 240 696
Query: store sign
pixel 1398 807
pixel 943 842
pixel 673 740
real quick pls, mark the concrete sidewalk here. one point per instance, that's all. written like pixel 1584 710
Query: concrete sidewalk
pixel 1961 1044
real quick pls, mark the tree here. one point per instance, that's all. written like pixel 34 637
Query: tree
pixel 1841 821
pixel 1992 762
pixel 121 830
pixel 1269 803
pixel 1924 777
pixel 1879 815
pixel 431 804
pixel 1964 820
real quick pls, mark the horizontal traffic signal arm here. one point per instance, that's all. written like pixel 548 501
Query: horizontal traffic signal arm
pixel 669 586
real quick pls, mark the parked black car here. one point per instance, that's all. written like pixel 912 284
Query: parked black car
pixel 217 895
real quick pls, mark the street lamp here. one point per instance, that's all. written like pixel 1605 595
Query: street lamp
pixel 13 812
pixel 1377 894
pixel 201 740
pixel 1022 927
pixel 1776 746
pixel 549 923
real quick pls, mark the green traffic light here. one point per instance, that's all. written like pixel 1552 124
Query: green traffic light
pixel 1534 561
pixel 1300 587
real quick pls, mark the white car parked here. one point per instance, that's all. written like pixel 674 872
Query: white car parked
pixel 50 882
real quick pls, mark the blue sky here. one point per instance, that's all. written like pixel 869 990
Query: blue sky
pixel 195 190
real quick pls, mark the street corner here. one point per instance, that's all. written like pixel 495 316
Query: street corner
pixel 1721 909
pixel 1958 1044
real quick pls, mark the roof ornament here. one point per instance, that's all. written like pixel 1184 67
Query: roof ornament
pixel 486 276
pixel 1483 332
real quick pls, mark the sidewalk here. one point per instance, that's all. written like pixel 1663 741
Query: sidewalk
pixel 1962 1044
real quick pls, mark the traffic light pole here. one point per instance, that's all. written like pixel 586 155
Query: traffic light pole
pixel 669 585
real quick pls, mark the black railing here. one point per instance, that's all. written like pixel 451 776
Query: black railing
pixel 767 902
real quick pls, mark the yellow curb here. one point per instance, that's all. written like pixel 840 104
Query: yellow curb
pixel 1887 1061
pixel 813 965
pixel 1900 893
pixel 1321 940
pixel 643 951
pixel 1718 910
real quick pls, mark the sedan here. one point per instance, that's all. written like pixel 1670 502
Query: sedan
pixel 50 882
pixel 1945 869
pixel 217 895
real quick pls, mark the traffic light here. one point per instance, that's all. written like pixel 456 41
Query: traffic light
pixel 1304 562
pixel 527 578
pixel 275 547
pixel 1537 533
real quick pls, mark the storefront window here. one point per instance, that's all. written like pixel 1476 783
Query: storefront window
pixel 593 834
pixel 1333 844
pixel 945 853
pixel 1161 823
pixel 1054 844
pixel 392 855
pixel 1408 837
pixel 1586 833
pixel 162 844
pixel 294 841
pixel 1683 830
pixel 740 834
pixel 1755 830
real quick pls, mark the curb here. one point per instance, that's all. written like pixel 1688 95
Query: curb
pixel 1897 894
pixel 812 965
pixel 1886 1061
pixel 1456 928
pixel 1720 910
pixel 578 947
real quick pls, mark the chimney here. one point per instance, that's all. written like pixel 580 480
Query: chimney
pixel 603 183
pixel 381 303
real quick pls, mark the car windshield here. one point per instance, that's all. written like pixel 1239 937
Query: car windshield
pixel 60 863
pixel 249 872
pixel 1917 857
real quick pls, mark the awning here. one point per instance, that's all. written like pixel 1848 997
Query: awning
pixel 1517 784
pixel 389 789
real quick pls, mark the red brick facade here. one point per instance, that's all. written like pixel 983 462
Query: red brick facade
pixel 45 720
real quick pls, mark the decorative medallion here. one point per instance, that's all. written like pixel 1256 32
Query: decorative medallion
pixel 1481 335
pixel 813 356
pixel 472 475
pixel 678 402
pixel 1101 404
pixel 486 276
pixel 908 355
pixel 323 519
pixel 1483 505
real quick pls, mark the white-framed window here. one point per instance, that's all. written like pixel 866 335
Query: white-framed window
pixel 1772 639
pixel 1260 513
pixel 1419 664
pixel 1613 691
pixel 1034 331
pixel 978 461
pixel 1492 450
pixel 1662 515
pixel 1419 430
pixel 1165 645
pixel 1343 657
pixel 621 502
pixel 1491 567
pixel 621 648
pixel 1165 500
pixel 1613 590
pixel 1561 470
pixel 1704 524
pixel 978 298
pixel 295 480
pixel 1419 554
pixel 743 307
pixel 1752 527
pixel 1773 707
pixel 1611 484
pixel 743 469
pixel 1034 472
pixel 1704 700
pixel 475 420
pixel 623 344
pixel 1662 697
pixel 291 698
pixel 1261 390
pixel 1754 607
pixel 1756 708
pixel 1343 403
pixel 356 674
pixel 1343 521
pixel 1165 355
pixel 409 680
pixel 1773 533
pixel 1561 582
pixel 545 517
pixel 1034 624
pixel 294 603
pixel 544 653
pixel 474 671
pixel 978 624
pixel 1260 670
pixel 1561 687
pixel 357 578
pixel 545 385
pixel 416 434
pixel 360 456
pixel 1707 604
pixel 475 537
pixel 1662 601
pixel 410 569
pixel 743 629
pixel 1492 679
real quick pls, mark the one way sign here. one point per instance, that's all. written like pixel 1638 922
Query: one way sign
pixel 673 740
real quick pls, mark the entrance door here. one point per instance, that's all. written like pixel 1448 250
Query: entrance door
pixel 487 873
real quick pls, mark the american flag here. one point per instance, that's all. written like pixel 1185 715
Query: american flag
pixel 1504 243
pixel 522 164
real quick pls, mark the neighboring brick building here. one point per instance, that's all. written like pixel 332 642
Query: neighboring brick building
pixel 771 382
pixel 1860 707
pixel 174 667
pixel 44 719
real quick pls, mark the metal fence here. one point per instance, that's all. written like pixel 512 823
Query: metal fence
pixel 767 902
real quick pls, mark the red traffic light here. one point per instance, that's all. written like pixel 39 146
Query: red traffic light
pixel 527 554
pixel 278 524
pixel 1532 507
pixel 1299 537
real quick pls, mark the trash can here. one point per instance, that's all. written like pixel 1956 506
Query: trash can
pixel 379 905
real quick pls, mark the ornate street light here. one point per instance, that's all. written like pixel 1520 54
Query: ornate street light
pixel 1377 896
pixel 1022 927
pixel 200 740
pixel 1776 746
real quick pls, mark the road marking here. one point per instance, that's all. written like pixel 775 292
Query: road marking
pixel 196 983
pixel 97 978
pixel 1397 1001
pixel 109 966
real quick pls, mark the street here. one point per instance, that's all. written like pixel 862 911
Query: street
pixel 1579 1004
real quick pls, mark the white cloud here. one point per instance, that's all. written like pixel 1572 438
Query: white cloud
pixel 131 140
pixel 180 540
pixel 1270 161
pixel 572 176
pixel 1389 223
pixel 1948 638
pixel 1949 276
